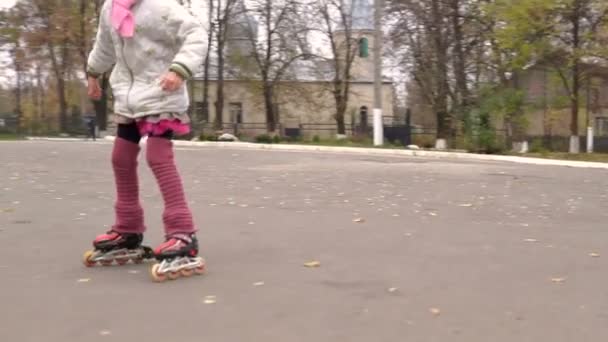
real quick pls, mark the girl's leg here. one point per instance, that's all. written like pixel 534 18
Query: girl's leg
pixel 177 216
pixel 129 213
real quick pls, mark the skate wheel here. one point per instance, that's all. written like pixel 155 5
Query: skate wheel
pixel 122 261
pixel 87 259
pixel 187 272
pixel 106 262
pixel 173 275
pixel 156 276
pixel 200 270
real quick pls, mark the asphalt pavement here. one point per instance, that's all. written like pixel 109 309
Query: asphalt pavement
pixel 407 248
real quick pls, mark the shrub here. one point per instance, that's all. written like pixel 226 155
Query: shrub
pixel 264 139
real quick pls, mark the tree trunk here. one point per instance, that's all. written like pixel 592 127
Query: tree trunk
pixel 219 104
pixel 459 57
pixel 63 105
pixel 18 58
pixel 101 106
pixel 441 105
pixel 268 102
pixel 341 103
pixel 83 32
pixel 39 93
pixel 221 39
pixel 574 96
pixel 206 65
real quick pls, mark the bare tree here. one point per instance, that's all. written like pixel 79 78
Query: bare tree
pixel 207 62
pixel 423 28
pixel 337 26
pixel 276 47
pixel 11 40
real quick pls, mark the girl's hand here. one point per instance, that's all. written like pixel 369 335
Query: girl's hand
pixel 94 90
pixel 171 82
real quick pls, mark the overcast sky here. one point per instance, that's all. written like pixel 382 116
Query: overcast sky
pixel 6 3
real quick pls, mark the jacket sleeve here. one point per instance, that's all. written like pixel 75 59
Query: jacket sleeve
pixel 191 38
pixel 103 55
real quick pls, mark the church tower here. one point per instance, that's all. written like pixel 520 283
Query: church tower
pixel 241 27
pixel 362 31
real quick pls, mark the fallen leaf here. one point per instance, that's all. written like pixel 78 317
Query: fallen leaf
pixel 558 280
pixel 8 210
pixel 466 205
pixel 433 214
pixel 209 300
pixel 435 311
pixel 359 220
pixel 105 332
pixel 530 240
pixel 312 264
pixel 259 283
pixel 594 255
pixel 84 280
pixel 392 289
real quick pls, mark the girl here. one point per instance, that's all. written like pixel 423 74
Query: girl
pixel 154 45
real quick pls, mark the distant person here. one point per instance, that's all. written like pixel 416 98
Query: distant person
pixel 91 125
pixel 154 45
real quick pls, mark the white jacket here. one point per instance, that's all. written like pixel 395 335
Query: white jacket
pixel 166 38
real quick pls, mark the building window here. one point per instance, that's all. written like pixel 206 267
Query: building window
pixel 363 48
pixel 236 112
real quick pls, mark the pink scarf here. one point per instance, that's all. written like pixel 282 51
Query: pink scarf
pixel 122 17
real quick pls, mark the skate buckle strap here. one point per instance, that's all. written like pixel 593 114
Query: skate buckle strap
pixel 185 238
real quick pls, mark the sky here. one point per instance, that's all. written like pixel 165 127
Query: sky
pixel 7 3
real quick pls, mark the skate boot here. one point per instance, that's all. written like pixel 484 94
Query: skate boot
pixel 178 256
pixel 119 247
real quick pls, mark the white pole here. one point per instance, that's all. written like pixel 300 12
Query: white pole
pixel 378 128
pixel 589 139
pixel 378 122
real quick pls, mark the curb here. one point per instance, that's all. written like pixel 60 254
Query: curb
pixel 389 152
pixel 55 139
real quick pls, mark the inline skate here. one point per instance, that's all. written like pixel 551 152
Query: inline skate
pixel 178 256
pixel 117 247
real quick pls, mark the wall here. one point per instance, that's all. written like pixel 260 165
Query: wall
pixel 299 103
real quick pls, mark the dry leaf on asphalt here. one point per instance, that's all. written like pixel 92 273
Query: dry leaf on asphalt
pixel 209 300
pixel 558 280
pixel 435 311
pixel 359 220
pixel 259 283
pixel 392 289
pixel 530 240
pixel 594 255
pixel 84 280
pixel 312 264
pixel 105 332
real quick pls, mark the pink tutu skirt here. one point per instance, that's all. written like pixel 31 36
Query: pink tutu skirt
pixel 159 124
